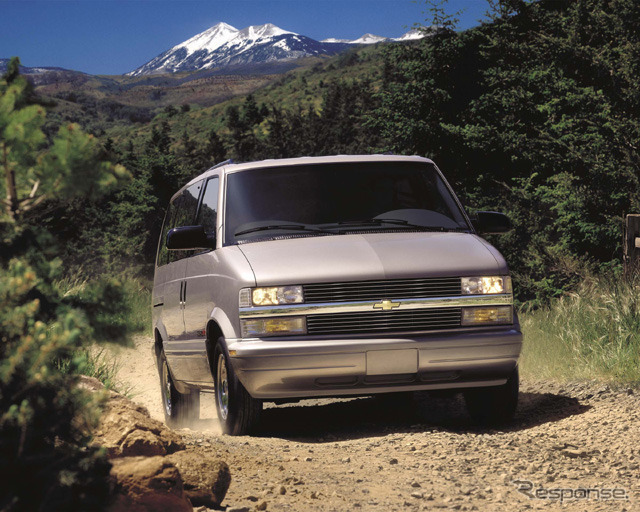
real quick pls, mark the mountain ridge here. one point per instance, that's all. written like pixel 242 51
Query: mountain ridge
pixel 223 45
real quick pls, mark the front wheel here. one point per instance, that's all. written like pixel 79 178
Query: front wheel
pixel 494 405
pixel 238 411
pixel 180 409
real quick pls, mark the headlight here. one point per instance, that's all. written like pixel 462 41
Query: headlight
pixel 497 315
pixel 486 285
pixel 258 327
pixel 271 296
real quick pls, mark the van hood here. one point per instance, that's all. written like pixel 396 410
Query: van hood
pixel 372 256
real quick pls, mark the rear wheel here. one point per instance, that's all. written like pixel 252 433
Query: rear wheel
pixel 180 409
pixel 494 405
pixel 238 411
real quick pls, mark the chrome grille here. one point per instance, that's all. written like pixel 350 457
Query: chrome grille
pixel 384 321
pixel 376 290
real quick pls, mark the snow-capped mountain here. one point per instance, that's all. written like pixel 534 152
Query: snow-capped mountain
pixel 412 35
pixel 373 39
pixel 370 39
pixel 223 45
pixel 334 40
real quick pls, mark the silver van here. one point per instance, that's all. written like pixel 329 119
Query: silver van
pixel 330 277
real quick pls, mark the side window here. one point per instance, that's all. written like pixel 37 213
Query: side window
pixel 208 213
pixel 163 253
pixel 186 205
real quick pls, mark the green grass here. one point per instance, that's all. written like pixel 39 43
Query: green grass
pixel 94 362
pixel 121 301
pixel 593 333
pixel 138 295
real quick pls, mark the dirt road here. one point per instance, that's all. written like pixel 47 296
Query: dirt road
pixel 571 447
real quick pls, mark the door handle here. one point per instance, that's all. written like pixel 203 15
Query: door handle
pixel 181 289
pixel 184 294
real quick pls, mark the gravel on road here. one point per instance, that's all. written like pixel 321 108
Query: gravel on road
pixel 572 446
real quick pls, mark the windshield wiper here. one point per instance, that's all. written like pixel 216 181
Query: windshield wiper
pixel 295 227
pixel 396 222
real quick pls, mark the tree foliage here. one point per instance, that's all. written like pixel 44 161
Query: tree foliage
pixel 536 114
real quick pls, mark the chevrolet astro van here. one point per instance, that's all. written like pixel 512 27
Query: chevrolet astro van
pixel 330 277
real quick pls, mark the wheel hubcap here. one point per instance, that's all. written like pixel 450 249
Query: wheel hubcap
pixel 222 389
pixel 166 388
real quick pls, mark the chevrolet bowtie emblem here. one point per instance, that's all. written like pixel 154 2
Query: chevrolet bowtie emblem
pixel 386 305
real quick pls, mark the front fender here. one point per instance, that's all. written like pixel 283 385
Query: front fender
pixel 224 323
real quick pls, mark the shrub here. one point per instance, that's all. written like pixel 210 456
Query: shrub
pixel 45 419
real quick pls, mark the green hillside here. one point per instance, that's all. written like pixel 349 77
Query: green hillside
pixel 301 89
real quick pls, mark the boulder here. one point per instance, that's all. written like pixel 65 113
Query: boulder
pixel 146 484
pixel 206 479
pixel 126 429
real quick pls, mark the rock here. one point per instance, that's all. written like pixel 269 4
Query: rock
pixel 574 454
pixel 393 461
pixel 141 442
pixel 415 484
pixel 89 383
pixel 261 506
pixel 206 479
pixel 346 460
pixel 238 509
pixel 282 490
pixel 145 484
pixel 127 430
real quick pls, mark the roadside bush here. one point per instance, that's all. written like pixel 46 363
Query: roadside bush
pixel 45 419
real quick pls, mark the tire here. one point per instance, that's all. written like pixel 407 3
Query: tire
pixel 180 409
pixel 238 412
pixel 494 405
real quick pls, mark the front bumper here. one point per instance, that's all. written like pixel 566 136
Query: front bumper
pixel 303 368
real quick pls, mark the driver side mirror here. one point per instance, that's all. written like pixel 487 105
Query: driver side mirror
pixel 491 223
pixel 189 237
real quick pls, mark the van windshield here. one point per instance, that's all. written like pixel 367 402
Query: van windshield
pixel 335 198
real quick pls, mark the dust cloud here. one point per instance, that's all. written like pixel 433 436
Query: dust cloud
pixel 137 377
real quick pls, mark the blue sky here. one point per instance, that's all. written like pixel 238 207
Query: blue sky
pixel 116 36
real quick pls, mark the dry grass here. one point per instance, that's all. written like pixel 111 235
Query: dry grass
pixel 593 333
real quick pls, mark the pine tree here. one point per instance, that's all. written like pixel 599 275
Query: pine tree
pixel 46 461
pixel 214 151
pixel 71 166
